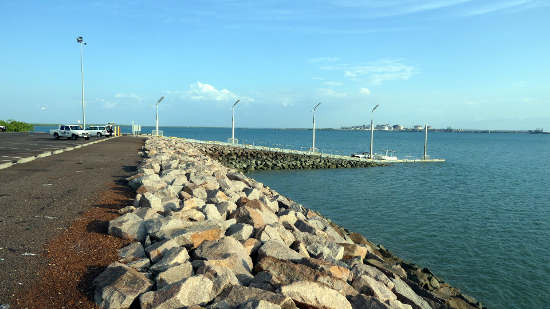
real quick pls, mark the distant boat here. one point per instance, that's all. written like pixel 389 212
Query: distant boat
pixel 538 131
pixel 363 155
pixel 389 156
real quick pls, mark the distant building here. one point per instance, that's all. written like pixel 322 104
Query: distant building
pixel 383 127
pixel 419 127
pixel 398 127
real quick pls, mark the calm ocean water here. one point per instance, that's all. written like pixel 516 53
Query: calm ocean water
pixel 480 221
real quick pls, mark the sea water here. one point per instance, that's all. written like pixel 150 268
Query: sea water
pixel 480 221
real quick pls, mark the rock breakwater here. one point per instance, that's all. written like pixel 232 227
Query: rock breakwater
pixel 207 236
pixel 248 159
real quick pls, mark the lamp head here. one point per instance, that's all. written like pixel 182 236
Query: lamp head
pixel 236 102
pixel 315 107
pixel 161 98
pixel 79 39
pixel 375 108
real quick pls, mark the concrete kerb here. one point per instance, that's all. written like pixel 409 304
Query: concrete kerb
pixel 44 154
pixel 25 160
pixel 5 165
pixel 49 153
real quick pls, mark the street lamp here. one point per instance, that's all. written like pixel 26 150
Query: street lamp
pixel 80 41
pixel 313 111
pixel 371 156
pixel 233 122
pixel 157 127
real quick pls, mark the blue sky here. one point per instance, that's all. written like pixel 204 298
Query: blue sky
pixel 459 63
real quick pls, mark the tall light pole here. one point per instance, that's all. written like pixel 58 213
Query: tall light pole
pixel 158 102
pixel 371 155
pixel 233 122
pixel 80 41
pixel 313 111
pixel 425 141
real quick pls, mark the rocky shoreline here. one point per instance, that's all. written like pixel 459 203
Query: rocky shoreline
pixel 206 236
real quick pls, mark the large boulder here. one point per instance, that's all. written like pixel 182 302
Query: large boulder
pixel 196 290
pixel 373 272
pixel 370 286
pixel 240 231
pixel 236 295
pixel 159 248
pixel 118 285
pixel 221 276
pixel 315 295
pixel 216 249
pixel 128 226
pixel 320 247
pixel 284 272
pixel 172 257
pixel 405 292
pixel 131 252
pixel 150 200
pixel 276 232
pixel 353 250
pixel 174 274
pixel 278 250
pixel 212 213
pixel 249 216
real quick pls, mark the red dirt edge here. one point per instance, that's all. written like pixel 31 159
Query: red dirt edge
pixel 77 256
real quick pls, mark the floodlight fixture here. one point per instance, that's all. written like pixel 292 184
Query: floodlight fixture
pixel 233 121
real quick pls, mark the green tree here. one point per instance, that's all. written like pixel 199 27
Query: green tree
pixel 16 126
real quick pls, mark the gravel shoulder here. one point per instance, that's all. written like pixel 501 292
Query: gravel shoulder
pixel 54 210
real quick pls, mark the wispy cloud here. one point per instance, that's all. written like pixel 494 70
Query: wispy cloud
pixel 381 71
pixel 494 7
pixel 204 92
pixel 388 8
pixel 106 104
pixel 323 59
pixel 364 91
pixel 332 84
pixel 132 96
pixel 329 92
pixel 43 107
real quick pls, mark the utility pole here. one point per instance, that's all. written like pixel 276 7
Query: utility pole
pixel 425 141
pixel 371 155
pixel 313 111
pixel 233 122
pixel 157 115
pixel 80 41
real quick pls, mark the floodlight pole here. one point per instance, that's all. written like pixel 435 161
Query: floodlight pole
pixel 233 122
pixel 313 111
pixel 425 141
pixel 157 116
pixel 80 41
pixel 371 156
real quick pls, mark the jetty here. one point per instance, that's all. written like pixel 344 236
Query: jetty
pixel 250 157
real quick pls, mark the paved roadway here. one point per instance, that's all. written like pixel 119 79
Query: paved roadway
pixel 14 146
pixel 41 198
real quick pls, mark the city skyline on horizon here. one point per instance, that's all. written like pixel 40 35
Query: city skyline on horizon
pixel 453 63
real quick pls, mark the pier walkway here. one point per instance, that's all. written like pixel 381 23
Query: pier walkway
pixel 313 154
pixel 250 157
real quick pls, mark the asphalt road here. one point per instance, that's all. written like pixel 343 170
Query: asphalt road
pixel 14 146
pixel 40 199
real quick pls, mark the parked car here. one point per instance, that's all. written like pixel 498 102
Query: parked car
pixel 2 128
pixel 72 131
pixel 98 131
